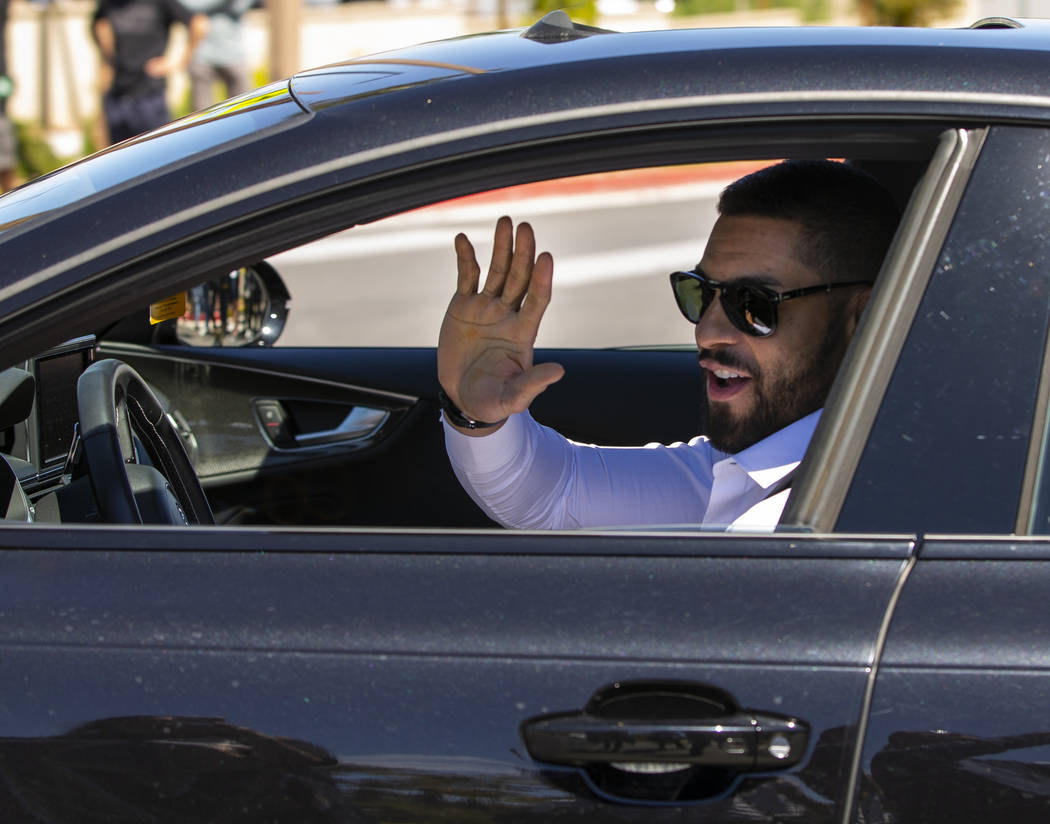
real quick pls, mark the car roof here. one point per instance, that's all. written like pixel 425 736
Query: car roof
pixel 994 57
pixel 369 118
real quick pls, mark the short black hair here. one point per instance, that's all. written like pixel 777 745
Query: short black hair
pixel 848 218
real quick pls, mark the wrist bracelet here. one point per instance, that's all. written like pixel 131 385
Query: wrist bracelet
pixel 456 417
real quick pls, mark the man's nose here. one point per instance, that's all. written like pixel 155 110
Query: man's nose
pixel 715 329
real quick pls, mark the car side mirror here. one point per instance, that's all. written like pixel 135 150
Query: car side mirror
pixel 245 307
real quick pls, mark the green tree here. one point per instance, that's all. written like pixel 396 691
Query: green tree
pixel 905 12
pixel 581 11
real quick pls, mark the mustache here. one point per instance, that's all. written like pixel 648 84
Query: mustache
pixel 730 360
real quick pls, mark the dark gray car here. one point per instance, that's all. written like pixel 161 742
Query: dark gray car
pixel 252 590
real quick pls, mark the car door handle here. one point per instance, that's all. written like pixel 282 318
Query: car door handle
pixel 286 426
pixel 665 740
pixel 361 422
pixel 741 742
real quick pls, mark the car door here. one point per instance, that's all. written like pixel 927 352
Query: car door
pixel 315 675
pixel 381 673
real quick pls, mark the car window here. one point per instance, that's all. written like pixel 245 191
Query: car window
pixel 278 433
pixel 615 237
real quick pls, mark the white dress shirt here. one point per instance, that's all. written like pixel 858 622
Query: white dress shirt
pixel 527 476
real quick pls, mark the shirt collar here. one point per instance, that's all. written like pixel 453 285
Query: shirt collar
pixel 773 457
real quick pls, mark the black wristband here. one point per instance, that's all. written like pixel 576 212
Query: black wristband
pixel 456 417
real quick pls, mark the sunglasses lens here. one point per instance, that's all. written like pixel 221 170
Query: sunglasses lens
pixel 692 296
pixel 751 311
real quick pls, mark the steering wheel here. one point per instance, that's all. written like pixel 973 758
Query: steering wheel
pixel 114 405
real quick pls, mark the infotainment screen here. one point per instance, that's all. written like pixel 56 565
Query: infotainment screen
pixel 56 373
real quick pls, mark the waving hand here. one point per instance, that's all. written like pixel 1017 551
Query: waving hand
pixel 485 347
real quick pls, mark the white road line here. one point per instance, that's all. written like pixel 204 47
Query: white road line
pixel 576 270
pixel 350 245
pixel 426 229
pixel 569 270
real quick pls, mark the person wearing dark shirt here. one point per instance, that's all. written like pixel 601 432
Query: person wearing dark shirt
pixel 132 36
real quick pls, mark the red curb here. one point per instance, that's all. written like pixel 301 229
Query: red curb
pixel 619 181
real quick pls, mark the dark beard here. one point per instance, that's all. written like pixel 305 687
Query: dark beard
pixel 779 400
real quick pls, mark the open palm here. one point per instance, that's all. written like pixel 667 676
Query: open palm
pixel 485 348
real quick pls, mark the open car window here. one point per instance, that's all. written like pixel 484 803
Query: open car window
pixel 338 423
pixel 362 295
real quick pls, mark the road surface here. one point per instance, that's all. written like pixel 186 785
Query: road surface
pixel 388 283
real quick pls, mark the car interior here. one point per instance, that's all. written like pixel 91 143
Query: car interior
pixel 244 409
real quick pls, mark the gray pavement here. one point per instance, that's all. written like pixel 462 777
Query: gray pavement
pixel 388 283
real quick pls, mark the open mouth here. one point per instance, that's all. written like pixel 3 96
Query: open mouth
pixel 724 383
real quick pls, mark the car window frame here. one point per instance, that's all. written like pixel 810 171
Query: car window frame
pixel 824 480
pixel 373 198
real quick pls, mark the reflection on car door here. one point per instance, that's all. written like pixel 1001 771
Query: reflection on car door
pixel 958 728
pixel 374 676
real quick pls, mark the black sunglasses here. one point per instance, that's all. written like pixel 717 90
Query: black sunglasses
pixel 750 308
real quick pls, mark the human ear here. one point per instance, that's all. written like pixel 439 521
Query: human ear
pixel 854 309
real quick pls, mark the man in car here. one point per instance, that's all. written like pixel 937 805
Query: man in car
pixel 775 299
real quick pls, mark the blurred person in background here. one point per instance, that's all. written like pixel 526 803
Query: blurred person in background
pixel 132 36
pixel 221 56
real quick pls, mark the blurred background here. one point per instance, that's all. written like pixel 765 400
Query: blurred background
pixel 53 77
